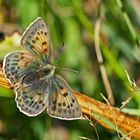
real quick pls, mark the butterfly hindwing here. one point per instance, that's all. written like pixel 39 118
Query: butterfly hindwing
pixel 62 102
pixel 37 41
pixel 18 64
pixel 32 99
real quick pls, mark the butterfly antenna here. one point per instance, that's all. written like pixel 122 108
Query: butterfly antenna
pixel 67 69
pixel 59 51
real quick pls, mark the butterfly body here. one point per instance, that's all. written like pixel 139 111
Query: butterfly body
pixel 34 80
pixel 47 72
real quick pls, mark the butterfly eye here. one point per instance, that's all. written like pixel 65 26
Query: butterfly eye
pixel 47 71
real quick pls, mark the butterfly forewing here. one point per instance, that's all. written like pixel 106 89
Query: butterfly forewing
pixel 36 40
pixel 62 102
pixel 17 65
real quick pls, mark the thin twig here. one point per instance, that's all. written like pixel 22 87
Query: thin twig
pixel 100 61
pixel 114 115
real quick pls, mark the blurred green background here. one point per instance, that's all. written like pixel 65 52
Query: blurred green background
pixel 73 22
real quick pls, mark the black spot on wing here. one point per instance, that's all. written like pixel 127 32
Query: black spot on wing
pixel 59 104
pixel 73 100
pixel 64 104
pixel 65 94
pixel 37 38
pixel 61 87
pixel 44 43
pixel 46 33
pixel 33 41
pixel 40 102
pixel 71 105
pixel 68 107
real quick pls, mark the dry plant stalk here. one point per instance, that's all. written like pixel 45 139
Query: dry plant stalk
pixel 89 106
pixel 123 121
pixel 101 62
pixel 3 81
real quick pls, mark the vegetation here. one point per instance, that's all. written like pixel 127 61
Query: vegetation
pixel 101 41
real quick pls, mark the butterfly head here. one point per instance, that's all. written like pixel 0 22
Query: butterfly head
pixel 49 70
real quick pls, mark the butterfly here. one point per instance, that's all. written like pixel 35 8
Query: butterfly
pixel 34 80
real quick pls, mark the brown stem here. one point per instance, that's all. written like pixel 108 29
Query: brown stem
pixel 101 65
pixel 123 121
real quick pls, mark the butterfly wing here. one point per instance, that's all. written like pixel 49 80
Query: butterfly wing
pixel 31 93
pixel 18 64
pixel 37 41
pixel 62 102
pixel 32 99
